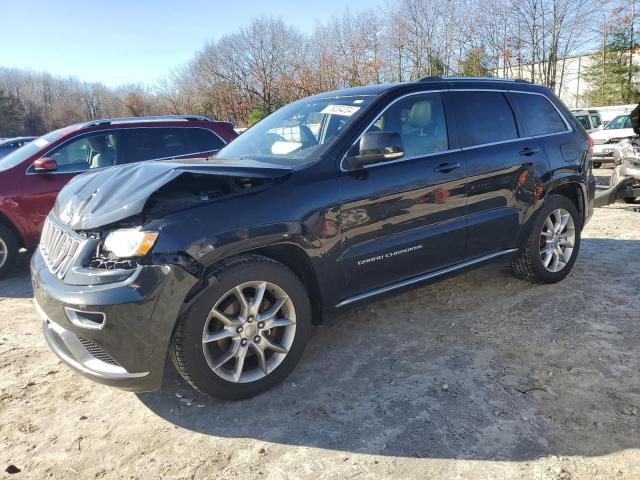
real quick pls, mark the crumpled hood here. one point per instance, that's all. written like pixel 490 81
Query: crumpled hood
pixel 607 134
pixel 105 196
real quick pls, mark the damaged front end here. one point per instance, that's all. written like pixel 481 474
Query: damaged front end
pixel 107 211
pixel 109 297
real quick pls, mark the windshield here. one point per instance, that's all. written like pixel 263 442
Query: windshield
pixel 22 153
pixel 298 132
pixel 621 121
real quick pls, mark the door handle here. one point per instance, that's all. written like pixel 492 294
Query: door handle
pixel 446 167
pixel 528 151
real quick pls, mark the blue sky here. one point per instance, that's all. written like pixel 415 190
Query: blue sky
pixel 119 41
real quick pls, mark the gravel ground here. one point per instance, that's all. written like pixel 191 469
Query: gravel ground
pixel 481 376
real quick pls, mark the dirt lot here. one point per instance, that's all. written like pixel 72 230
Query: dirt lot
pixel 481 376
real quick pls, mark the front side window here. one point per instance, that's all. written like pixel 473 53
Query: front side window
pixel 299 132
pixel 621 121
pixel 419 120
pixel 485 117
pixel 93 151
pixel 539 115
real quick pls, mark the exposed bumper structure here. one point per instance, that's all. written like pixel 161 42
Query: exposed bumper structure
pixel 128 348
pixel 620 190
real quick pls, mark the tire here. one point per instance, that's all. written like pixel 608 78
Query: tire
pixel 528 263
pixel 195 360
pixel 597 164
pixel 9 248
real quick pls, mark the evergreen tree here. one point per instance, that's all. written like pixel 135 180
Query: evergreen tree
pixel 10 121
pixel 609 72
pixel 475 64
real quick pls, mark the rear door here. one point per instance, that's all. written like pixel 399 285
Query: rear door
pixel 402 218
pixel 502 165
pixel 542 120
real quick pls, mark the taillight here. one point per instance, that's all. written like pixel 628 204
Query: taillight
pixel 590 143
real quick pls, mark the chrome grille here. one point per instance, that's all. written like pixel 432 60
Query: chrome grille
pixel 58 248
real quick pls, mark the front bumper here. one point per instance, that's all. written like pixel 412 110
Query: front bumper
pixel 603 153
pixel 128 348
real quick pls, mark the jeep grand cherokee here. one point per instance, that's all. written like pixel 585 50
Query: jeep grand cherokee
pixel 226 262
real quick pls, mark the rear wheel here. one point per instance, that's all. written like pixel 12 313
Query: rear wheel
pixel 8 250
pixel 246 331
pixel 549 253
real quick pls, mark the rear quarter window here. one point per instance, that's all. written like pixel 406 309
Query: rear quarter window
pixel 205 140
pixel 538 115
pixel 485 117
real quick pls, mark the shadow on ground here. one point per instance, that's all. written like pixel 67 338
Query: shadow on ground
pixel 480 366
pixel 18 283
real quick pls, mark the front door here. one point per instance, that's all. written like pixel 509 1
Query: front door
pixel 402 218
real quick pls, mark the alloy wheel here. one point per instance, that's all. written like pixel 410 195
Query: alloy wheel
pixel 557 240
pixel 249 331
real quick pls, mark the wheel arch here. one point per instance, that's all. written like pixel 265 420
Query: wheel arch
pixel 574 191
pixel 291 255
pixel 296 259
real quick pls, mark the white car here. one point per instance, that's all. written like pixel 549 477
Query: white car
pixel 605 140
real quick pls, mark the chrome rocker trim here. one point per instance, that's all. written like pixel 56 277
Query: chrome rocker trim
pixel 427 276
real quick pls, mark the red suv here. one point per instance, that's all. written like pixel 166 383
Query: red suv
pixel 32 176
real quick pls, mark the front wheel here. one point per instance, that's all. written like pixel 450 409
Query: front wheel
pixel 246 331
pixel 551 249
pixel 8 250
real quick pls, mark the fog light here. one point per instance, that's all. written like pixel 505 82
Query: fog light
pixel 80 318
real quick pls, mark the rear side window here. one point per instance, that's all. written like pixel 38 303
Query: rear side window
pixel 595 120
pixel 584 121
pixel 154 143
pixel 485 117
pixel 205 140
pixel 539 116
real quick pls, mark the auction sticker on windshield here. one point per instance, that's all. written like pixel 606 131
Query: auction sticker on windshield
pixel 344 110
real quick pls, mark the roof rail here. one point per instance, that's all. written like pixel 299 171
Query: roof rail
pixel 149 118
pixel 482 79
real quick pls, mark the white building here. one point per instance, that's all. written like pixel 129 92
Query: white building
pixel 570 73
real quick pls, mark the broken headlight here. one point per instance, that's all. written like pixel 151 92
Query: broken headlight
pixel 129 242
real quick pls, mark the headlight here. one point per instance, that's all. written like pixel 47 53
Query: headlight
pixel 129 242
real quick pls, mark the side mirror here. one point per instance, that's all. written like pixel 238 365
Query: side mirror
pixel 45 164
pixel 375 147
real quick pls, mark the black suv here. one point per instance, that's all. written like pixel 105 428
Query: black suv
pixel 226 262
